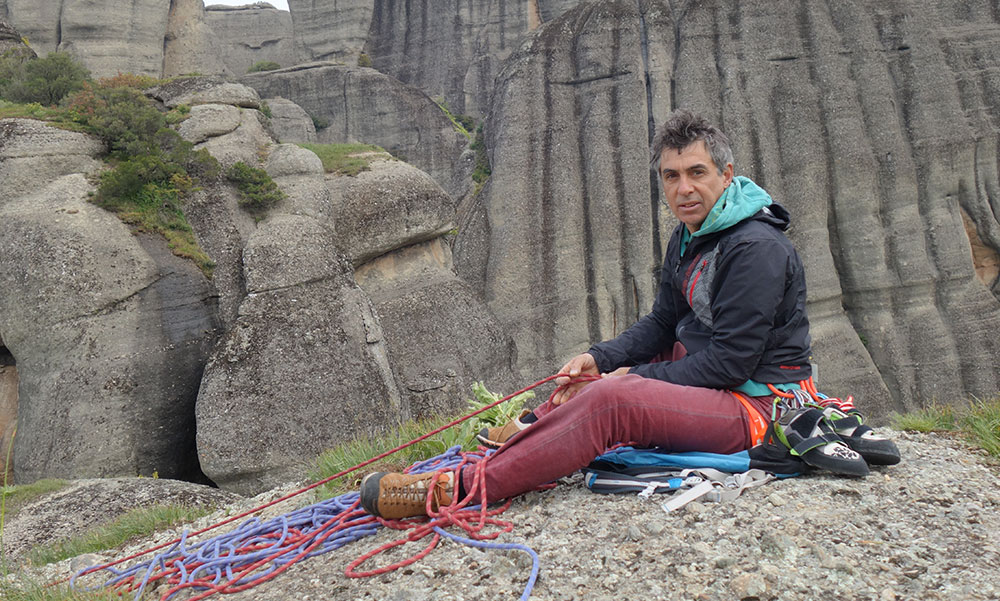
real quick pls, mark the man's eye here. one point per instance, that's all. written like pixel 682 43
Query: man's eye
pixel 669 176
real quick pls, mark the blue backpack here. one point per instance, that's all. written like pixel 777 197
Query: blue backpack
pixel 706 476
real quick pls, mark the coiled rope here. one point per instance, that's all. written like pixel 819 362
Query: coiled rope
pixel 256 552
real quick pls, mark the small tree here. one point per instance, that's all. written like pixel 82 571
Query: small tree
pixel 45 80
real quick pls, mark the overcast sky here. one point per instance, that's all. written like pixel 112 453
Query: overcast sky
pixel 281 4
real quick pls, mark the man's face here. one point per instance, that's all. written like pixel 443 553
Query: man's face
pixel 691 183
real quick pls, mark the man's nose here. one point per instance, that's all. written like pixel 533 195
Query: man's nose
pixel 684 186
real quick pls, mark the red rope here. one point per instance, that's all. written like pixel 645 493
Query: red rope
pixel 452 516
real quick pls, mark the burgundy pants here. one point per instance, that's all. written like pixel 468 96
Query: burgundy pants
pixel 627 408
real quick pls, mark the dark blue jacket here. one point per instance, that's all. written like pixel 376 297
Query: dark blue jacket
pixel 736 300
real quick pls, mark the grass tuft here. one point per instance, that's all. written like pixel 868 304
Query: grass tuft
pixel 359 450
pixel 26 590
pixel 133 525
pixel 346 159
pixel 979 422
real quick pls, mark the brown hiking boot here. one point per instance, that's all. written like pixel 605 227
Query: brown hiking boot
pixel 396 496
pixel 494 438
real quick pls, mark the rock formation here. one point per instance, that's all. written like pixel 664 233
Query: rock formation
pixel 190 44
pixel 109 331
pixel 11 41
pixel 363 105
pixel 250 34
pixel 454 58
pixel 873 125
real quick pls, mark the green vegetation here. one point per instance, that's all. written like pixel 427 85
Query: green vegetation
pixel 365 61
pixel 346 159
pixel 258 192
pixel 463 123
pixel 263 66
pixel 482 170
pixel 133 525
pixel 979 423
pixel 319 122
pixel 26 590
pixel 16 497
pixel 45 81
pixel 360 450
pixel 152 169
pixel 265 109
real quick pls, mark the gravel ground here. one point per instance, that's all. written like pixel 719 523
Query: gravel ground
pixel 928 528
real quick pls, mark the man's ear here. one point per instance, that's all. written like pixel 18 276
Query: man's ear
pixel 727 174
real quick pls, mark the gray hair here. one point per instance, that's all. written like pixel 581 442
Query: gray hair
pixel 684 128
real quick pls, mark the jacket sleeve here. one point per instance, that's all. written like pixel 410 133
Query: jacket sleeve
pixel 644 339
pixel 748 288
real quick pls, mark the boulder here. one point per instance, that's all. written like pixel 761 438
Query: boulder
pixel 197 90
pixel 392 219
pixel 390 206
pixel 363 105
pixel 290 122
pixel 110 335
pixel 303 368
pixel 82 505
pixel 571 229
pixel 441 335
pixel 247 35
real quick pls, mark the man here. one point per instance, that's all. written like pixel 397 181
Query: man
pixel 695 374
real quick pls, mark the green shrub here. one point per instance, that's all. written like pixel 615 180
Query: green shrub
pixel 319 122
pixel 265 109
pixel 345 159
pixel 43 80
pixel 482 170
pixel 364 60
pixel 126 120
pixel 258 192
pixel 263 66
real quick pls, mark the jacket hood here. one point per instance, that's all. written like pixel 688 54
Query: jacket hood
pixel 741 200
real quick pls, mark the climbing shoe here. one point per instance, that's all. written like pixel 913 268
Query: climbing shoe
pixel 494 438
pixel 850 426
pixel 396 496
pixel 808 435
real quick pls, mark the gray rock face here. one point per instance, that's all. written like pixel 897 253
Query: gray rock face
pixel 108 37
pixel 290 122
pixel 97 320
pixel 450 49
pixel 859 122
pixel 330 31
pixel 303 368
pixel 190 44
pixel 363 105
pixel 250 34
pixel 10 40
pixel 390 206
pixel 440 335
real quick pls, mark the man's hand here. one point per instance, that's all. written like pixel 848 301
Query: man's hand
pixel 581 364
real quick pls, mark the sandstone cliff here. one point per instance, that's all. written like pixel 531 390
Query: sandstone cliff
pixel 250 34
pixel 129 361
pixel 872 124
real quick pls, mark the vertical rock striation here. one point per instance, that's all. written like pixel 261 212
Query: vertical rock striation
pixel 875 125
pixel 250 34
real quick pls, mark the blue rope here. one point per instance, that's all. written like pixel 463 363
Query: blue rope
pixel 216 557
pixel 500 546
